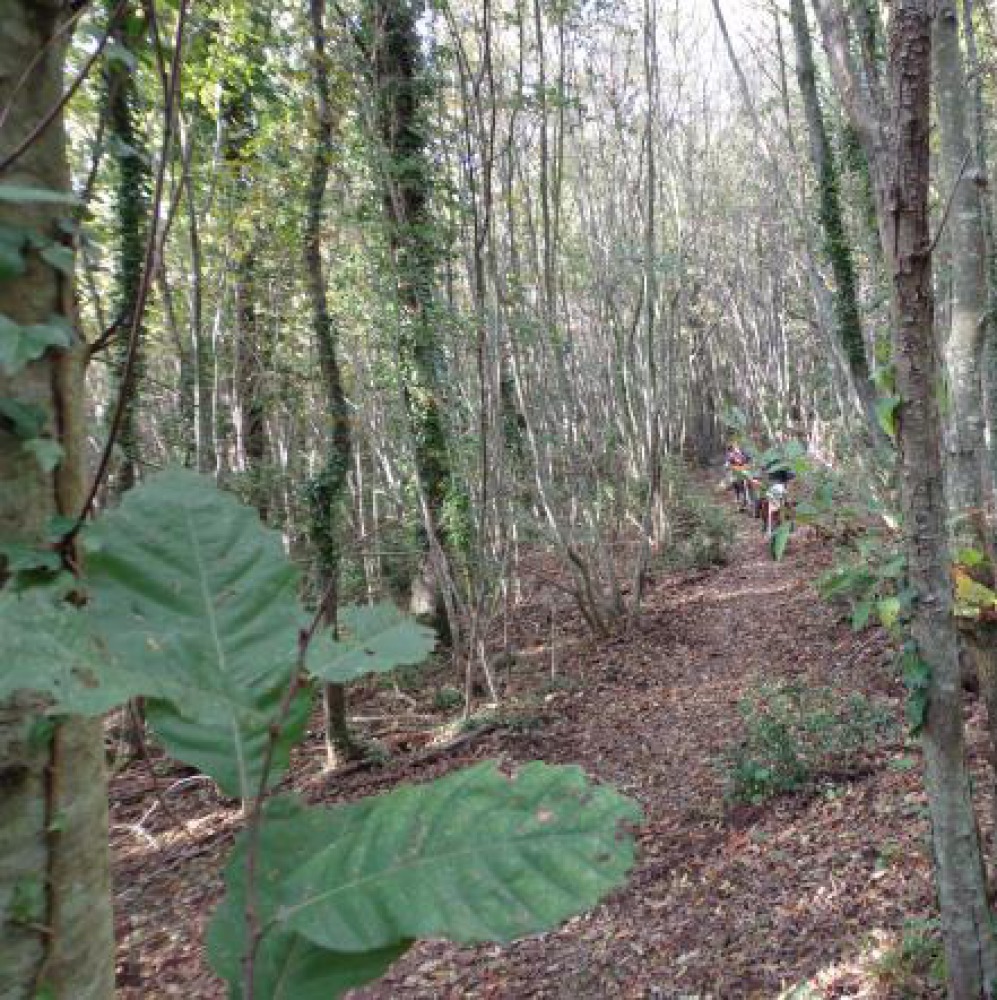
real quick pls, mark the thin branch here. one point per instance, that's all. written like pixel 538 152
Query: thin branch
pixel 36 133
pixel 948 204
pixel 152 249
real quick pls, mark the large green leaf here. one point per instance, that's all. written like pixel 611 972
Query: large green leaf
pixel 50 649
pixel 373 639
pixel 476 856
pixel 187 582
pixel 287 966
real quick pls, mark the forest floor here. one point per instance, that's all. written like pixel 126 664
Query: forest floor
pixel 825 892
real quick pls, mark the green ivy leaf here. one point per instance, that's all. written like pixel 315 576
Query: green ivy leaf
pixel 970 557
pixel 889 611
pixel 917 680
pixel 23 194
pixel 48 453
pixel 860 615
pixel 373 639
pixel 59 257
pixel 22 344
pixel 24 420
pixel 12 259
pixel 28 901
pixel 779 541
pixel 886 414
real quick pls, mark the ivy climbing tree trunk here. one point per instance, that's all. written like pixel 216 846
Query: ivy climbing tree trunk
pixel 55 912
pixel 971 955
pixel 252 356
pixel 128 155
pixel 405 177
pixel 328 493
pixel 847 319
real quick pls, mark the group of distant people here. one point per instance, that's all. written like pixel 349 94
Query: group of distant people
pixel 762 491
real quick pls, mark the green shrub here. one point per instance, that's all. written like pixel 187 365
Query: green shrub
pixel 917 957
pixel 794 733
pixel 447 699
pixel 870 579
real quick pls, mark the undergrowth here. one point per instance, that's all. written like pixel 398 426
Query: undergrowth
pixel 795 734
pixel 701 532
pixel 917 956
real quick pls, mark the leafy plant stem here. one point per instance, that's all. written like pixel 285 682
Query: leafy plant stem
pixel 254 931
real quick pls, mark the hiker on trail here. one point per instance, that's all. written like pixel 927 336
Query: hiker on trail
pixel 737 461
pixel 776 497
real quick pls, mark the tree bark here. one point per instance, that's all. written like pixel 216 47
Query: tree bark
pixel 53 791
pixel 128 153
pixel 328 490
pixel 967 466
pixel 405 178
pixel 970 950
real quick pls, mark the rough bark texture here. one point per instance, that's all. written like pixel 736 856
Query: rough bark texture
pixel 132 213
pixel 53 793
pixel 969 944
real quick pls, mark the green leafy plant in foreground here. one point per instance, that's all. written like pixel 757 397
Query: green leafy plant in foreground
pixel 193 606
pixel 871 581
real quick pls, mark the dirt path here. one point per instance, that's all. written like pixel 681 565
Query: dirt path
pixel 811 890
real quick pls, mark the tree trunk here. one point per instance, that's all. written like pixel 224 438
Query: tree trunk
pixel 405 178
pixel 55 900
pixel 128 153
pixel 970 950
pixel 967 465
pixel 847 319
pixel 328 491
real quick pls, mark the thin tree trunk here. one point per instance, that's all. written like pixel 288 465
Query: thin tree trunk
pixel 406 178
pixel 967 466
pixel 127 150
pixel 847 319
pixel 328 491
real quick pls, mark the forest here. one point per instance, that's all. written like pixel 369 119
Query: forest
pixel 498 498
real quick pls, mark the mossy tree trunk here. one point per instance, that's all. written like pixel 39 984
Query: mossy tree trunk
pixel 131 175
pixel 252 360
pixel 837 249
pixel 55 902
pixel 405 175
pixel 328 492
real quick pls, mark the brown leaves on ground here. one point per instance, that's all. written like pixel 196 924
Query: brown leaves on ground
pixel 825 893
